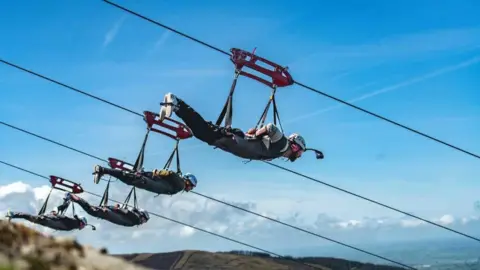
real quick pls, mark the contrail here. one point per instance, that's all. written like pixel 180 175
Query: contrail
pixel 411 81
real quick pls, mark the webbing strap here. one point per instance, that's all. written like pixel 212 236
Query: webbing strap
pixel 61 212
pixel 227 111
pixel 127 200
pixel 44 206
pixel 104 200
pixel 73 210
pixel 170 159
pixel 276 117
pixel 137 167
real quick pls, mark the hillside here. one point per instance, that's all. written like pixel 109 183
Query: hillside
pixel 201 260
pixel 22 248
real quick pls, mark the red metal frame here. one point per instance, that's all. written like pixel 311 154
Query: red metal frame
pixel 279 75
pixel 181 130
pixel 73 187
pixel 119 164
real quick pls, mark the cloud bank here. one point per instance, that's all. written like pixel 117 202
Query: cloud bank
pixel 160 235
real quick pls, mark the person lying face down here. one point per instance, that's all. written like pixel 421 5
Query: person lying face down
pixel 53 220
pixel 266 143
pixel 157 181
pixel 114 213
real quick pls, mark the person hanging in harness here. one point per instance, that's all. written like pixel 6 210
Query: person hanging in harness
pixel 163 181
pixel 112 213
pixel 55 219
pixel 266 143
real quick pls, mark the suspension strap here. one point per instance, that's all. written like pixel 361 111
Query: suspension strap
pixel 104 200
pixel 61 212
pixel 276 117
pixel 137 167
pixel 127 200
pixel 170 159
pixel 44 206
pixel 73 210
pixel 227 111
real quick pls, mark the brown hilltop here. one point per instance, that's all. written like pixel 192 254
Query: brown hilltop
pixel 22 248
pixel 241 260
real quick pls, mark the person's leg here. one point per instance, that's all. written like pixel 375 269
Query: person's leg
pixel 99 171
pixel 91 210
pixel 201 129
pixel 21 215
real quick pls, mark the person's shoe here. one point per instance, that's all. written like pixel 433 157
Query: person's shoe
pixel 97 175
pixel 169 101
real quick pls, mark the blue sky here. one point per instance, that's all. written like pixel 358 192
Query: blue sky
pixel 416 62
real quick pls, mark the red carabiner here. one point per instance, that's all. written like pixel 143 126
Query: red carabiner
pixel 279 75
pixel 120 164
pixel 73 187
pixel 181 131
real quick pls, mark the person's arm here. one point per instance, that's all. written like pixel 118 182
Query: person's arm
pixel 271 131
pixel 63 206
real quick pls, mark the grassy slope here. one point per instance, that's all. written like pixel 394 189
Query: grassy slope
pixel 201 260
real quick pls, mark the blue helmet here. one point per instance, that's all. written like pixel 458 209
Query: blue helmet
pixel 191 178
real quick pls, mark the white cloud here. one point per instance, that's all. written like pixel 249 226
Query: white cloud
pixel 207 215
pixel 446 220
pixel 349 223
pixel 17 187
pixel 112 32
pixel 409 223
pixel 163 38
pixel 186 231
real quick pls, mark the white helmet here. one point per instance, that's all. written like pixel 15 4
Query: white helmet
pixel 299 140
pixel 144 213
pixel 84 221
pixel 192 179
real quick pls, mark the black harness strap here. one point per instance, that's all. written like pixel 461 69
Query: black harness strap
pixel 104 200
pixel 137 167
pixel 127 200
pixel 276 117
pixel 227 111
pixel 65 210
pixel 44 206
pixel 170 159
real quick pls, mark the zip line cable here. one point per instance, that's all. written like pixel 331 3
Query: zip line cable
pixel 184 224
pixel 272 164
pixel 211 198
pixel 298 174
pixel 67 86
pixel 300 84
pixel 269 163
pixel 221 236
